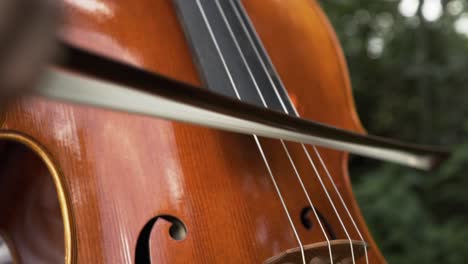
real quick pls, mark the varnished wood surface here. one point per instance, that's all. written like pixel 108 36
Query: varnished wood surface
pixel 121 170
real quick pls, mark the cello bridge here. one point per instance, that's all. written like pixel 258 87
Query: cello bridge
pixel 319 253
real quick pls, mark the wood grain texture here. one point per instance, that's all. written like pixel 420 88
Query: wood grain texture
pixel 121 170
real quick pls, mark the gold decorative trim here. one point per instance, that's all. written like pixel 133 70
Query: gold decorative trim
pixel 11 246
pixel 62 194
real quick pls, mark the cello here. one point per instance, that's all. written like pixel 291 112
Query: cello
pixel 89 185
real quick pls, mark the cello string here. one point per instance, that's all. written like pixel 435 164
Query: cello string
pixel 299 178
pixel 305 150
pixel 340 197
pixel 278 191
pixel 312 163
pixel 282 142
pixel 303 146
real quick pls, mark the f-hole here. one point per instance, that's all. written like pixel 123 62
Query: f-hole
pixel 177 231
pixel 306 215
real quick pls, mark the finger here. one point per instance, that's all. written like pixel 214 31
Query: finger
pixel 14 14
pixel 33 49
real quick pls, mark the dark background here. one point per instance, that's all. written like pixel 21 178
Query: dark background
pixel 408 61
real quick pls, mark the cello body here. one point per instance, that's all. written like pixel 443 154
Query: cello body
pixel 86 185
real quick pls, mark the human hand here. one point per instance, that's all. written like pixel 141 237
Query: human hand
pixel 27 43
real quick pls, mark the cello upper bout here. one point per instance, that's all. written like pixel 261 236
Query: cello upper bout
pixel 308 57
pixel 145 34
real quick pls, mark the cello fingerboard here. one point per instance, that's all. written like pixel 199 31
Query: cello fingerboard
pixel 229 55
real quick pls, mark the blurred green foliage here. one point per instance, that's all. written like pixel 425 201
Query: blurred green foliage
pixel 409 70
